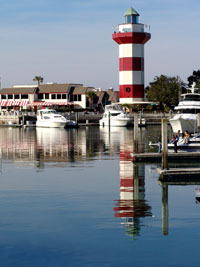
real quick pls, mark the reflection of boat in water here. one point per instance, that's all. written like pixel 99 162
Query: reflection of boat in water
pixel 188 108
pixel 197 198
pixel 115 116
pixel 50 118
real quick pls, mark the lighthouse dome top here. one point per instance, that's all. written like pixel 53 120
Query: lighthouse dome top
pixel 131 16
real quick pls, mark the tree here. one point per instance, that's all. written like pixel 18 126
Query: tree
pixel 91 95
pixel 195 77
pixel 38 79
pixel 165 90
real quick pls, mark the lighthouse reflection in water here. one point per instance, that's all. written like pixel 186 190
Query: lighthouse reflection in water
pixel 132 205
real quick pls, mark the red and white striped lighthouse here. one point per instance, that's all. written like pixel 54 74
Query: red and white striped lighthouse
pixel 131 38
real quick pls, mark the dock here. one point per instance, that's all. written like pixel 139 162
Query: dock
pixel 172 157
pixel 180 176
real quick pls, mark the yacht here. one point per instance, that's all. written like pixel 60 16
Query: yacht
pixel 115 116
pixel 188 108
pixel 50 118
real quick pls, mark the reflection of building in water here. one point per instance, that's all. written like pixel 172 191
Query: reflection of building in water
pixel 42 145
pixel 132 204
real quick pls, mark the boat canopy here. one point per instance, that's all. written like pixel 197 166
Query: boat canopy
pixel 113 107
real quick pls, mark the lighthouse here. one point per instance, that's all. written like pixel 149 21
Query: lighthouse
pixel 131 37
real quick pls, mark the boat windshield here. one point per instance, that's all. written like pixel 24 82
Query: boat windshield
pixel 189 111
pixel 114 107
pixel 115 114
pixel 48 111
pixel 190 97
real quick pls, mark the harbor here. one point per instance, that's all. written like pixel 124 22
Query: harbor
pixel 99 134
pixel 67 172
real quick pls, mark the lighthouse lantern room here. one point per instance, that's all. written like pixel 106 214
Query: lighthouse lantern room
pixel 131 37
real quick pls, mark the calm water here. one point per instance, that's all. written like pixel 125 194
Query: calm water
pixel 74 198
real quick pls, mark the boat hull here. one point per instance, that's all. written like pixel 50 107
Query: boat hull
pixel 51 124
pixel 184 123
pixel 116 122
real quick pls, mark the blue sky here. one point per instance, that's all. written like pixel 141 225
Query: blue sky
pixel 71 40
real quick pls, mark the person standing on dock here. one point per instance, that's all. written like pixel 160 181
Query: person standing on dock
pixel 174 141
pixel 178 135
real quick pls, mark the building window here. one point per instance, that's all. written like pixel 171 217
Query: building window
pixel 58 96
pixel 75 97
pixel 79 97
pixel 64 96
pixel 10 96
pixel 24 96
pixel 40 96
pixel 16 96
pixel 3 97
pixel 71 98
pixel 53 96
pixel 128 89
pixel 46 96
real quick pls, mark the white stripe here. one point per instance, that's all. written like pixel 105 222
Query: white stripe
pixel 131 50
pixel 131 77
pixel 130 100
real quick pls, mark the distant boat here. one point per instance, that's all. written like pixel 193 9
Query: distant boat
pixel 188 107
pixel 50 118
pixel 115 116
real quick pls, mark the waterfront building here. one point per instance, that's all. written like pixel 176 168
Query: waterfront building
pixel 53 94
pixel 131 37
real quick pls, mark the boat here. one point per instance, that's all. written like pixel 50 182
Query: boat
pixel 50 118
pixel 193 144
pixel 188 108
pixel 115 116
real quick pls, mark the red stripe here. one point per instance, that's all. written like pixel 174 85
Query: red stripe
pixel 125 214
pixel 131 37
pixel 127 182
pixel 131 63
pixel 136 91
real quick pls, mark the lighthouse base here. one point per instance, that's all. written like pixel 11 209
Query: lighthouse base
pixel 130 100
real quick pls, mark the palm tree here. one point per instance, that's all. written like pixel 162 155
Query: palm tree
pixel 91 95
pixel 38 79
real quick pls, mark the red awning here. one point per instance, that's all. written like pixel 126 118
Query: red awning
pixel 13 103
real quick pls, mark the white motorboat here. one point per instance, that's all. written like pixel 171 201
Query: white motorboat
pixel 50 118
pixel 115 116
pixel 193 143
pixel 188 108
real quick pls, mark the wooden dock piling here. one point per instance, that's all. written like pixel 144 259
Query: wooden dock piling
pixel 136 133
pixel 164 143
pixel 198 122
pixel 165 209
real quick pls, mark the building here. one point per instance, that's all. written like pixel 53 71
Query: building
pixel 53 94
pixel 131 37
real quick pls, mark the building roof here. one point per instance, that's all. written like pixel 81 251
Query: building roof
pixel 80 90
pixel 43 88
pixel 53 88
pixel 17 90
pixel 131 11
pixel 113 95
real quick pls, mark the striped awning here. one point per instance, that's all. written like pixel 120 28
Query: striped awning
pixel 14 103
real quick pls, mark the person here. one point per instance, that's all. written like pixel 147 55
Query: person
pixel 178 135
pixel 186 137
pixel 174 141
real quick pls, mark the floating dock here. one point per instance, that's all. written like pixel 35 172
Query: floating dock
pixel 172 157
